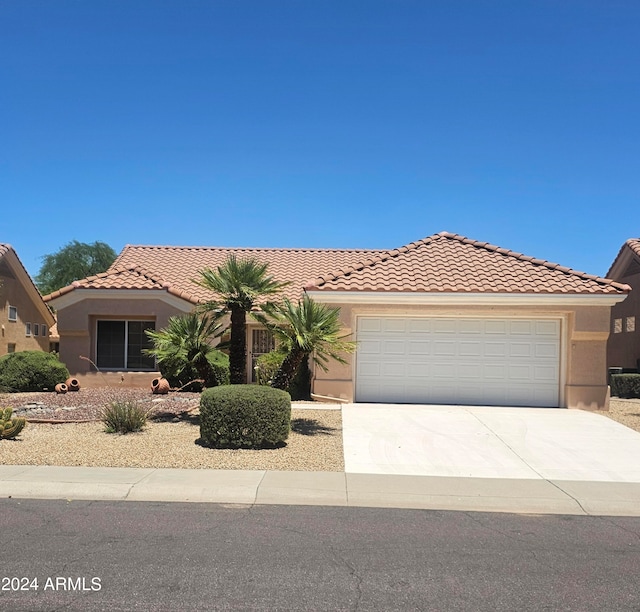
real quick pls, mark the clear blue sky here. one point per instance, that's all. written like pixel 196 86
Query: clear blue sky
pixel 326 123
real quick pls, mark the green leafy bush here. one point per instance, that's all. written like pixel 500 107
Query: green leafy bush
pixel 244 416
pixel 625 385
pixel 31 371
pixel 268 364
pixel 123 417
pixel 181 374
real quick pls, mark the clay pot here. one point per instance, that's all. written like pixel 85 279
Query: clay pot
pixel 61 388
pixel 73 384
pixel 160 386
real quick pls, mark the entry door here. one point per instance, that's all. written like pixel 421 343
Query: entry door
pixel 501 362
pixel 262 342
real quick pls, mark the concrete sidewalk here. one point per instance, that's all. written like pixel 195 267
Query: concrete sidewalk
pixel 536 496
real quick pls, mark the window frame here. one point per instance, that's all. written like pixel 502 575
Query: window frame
pixel 13 309
pixel 27 330
pixel 125 347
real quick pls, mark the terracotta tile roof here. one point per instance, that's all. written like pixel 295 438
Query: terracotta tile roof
pixel 452 263
pixel 4 249
pixel 174 268
pixel 633 245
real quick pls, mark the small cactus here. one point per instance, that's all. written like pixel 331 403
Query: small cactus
pixel 10 426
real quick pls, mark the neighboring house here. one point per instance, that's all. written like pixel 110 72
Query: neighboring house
pixel 25 319
pixel 623 349
pixel 445 319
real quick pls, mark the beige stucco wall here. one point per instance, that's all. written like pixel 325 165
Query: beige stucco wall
pixel 623 349
pixel 583 347
pixel 13 293
pixel 77 326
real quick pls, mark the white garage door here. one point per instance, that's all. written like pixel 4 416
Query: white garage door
pixel 500 362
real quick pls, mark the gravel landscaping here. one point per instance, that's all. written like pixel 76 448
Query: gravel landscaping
pixel 66 430
pixel 54 436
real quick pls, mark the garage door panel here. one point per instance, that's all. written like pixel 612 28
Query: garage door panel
pixel 371 347
pixel 495 349
pixel 442 348
pixel 546 349
pixel 468 361
pixel 419 348
pixel 470 371
pixel 520 349
pixel 394 347
pixel 470 349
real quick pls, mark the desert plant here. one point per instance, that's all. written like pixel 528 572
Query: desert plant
pixel 184 352
pixel 239 285
pixel 31 371
pixel 244 416
pixel 10 426
pixel 267 367
pixel 625 385
pixel 123 417
pixel 305 328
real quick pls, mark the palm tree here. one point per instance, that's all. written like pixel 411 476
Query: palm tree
pixel 184 345
pixel 240 285
pixel 305 328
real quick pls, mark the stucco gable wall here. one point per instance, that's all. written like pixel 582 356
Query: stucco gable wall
pixel 623 349
pixel 77 325
pixel 13 293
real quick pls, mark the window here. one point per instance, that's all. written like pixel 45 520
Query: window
pixel 27 329
pixel 120 345
pixel 11 347
pixel 13 313
pixel 36 329
pixel 630 324
pixel 617 326
pixel 45 331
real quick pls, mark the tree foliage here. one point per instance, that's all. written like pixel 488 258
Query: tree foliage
pixel 184 349
pixel 305 328
pixel 239 285
pixel 72 262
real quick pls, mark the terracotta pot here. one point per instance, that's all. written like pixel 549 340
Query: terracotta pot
pixel 160 386
pixel 61 388
pixel 73 384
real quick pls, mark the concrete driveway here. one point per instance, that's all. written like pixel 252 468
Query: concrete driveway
pixel 488 442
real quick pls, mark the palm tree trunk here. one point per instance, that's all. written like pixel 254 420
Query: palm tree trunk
pixel 288 369
pixel 238 347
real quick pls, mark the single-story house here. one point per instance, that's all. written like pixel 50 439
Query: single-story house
pixel 25 319
pixel 445 319
pixel 623 348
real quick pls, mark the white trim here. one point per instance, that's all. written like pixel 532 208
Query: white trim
pixel 507 299
pixel 78 295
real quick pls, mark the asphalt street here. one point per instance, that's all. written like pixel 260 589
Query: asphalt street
pixel 113 555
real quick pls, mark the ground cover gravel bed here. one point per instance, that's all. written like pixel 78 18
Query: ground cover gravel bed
pixel 168 440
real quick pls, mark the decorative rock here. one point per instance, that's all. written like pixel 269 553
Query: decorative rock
pixel 61 388
pixel 160 386
pixel 73 384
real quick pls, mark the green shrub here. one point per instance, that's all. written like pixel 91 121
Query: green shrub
pixel 625 385
pixel 244 416
pixel 267 365
pixel 181 374
pixel 123 417
pixel 31 371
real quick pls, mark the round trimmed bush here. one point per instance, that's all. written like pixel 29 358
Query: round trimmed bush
pixel 244 416
pixel 31 371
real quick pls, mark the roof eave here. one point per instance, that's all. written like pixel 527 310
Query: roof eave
pixel 462 298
